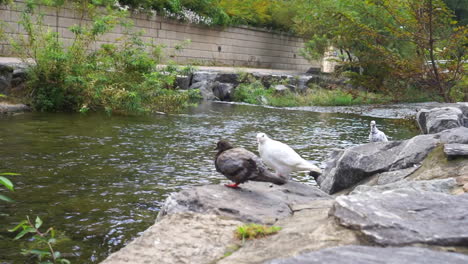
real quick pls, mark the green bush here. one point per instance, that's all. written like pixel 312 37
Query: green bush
pixel 120 78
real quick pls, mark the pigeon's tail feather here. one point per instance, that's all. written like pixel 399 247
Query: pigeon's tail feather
pixel 270 177
pixel 306 166
pixel 263 175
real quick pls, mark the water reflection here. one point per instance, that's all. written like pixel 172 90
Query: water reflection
pixel 101 180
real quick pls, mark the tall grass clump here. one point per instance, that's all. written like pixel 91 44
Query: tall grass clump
pixel 252 231
pixel 120 77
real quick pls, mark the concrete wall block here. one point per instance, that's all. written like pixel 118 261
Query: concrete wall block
pixel 50 21
pixel 18 6
pixel 171 35
pixel 67 22
pixel 5 15
pixel 65 33
pixel 67 13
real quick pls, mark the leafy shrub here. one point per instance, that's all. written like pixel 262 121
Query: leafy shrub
pixel 119 78
pixel 252 93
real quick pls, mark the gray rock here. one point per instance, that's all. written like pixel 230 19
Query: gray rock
pixel 354 164
pixel 180 238
pixel 456 150
pixel 373 255
pixel 301 83
pixel 6 74
pixel 439 119
pixel 272 79
pixel 183 81
pixel 203 76
pixel 404 216
pixel 310 228
pixel 223 91
pixel 206 89
pixel 413 151
pixel 347 168
pixel 280 88
pixel 232 78
pixel 6 108
pixel 440 185
pixel 394 176
pixel 255 202
pixel 456 135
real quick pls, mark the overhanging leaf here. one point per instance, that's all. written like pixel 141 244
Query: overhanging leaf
pixel 6 182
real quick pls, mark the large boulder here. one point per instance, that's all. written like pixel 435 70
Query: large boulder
pixel 200 76
pixel 346 168
pixel 180 238
pixel 206 89
pixel 255 202
pixel 406 216
pixel 373 255
pixel 6 74
pixel 439 119
pixel 232 78
pixel 223 91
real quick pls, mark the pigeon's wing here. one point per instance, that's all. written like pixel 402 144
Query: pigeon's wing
pixel 284 155
pixel 235 164
pixel 382 136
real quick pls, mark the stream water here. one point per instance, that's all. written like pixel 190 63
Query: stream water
pixel 100 180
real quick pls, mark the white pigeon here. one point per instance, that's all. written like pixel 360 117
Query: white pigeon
pixel 282 158
pixel 375 134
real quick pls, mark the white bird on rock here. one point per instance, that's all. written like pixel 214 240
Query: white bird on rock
pixel 282 158
pixel 375 134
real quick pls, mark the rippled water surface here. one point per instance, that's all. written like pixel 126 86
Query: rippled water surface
pixel 101 180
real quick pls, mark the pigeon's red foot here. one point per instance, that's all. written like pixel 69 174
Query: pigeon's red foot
pixel 232 185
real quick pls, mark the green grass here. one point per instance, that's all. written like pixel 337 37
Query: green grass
pixel 252 231
pixel 256 93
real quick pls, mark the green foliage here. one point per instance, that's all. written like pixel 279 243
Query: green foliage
pixel 251 231
pixel 121 77
pixel 252 93
pixel 47 239
pixel 7 184
pixel 388 46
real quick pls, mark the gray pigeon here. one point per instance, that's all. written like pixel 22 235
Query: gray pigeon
pixel 240 165
pixel 375 134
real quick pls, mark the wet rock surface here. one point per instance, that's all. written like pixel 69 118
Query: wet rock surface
pixel 373 255
pixel 406 216
pixel 255 202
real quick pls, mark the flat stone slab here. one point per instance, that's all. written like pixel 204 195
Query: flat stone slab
pixel 373 255
pixel 456 150
pixel 256 202
pixel 406 216
pixel 309 229
pixel 180 238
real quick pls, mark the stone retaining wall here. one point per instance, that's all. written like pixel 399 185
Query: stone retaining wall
pixel 230 46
